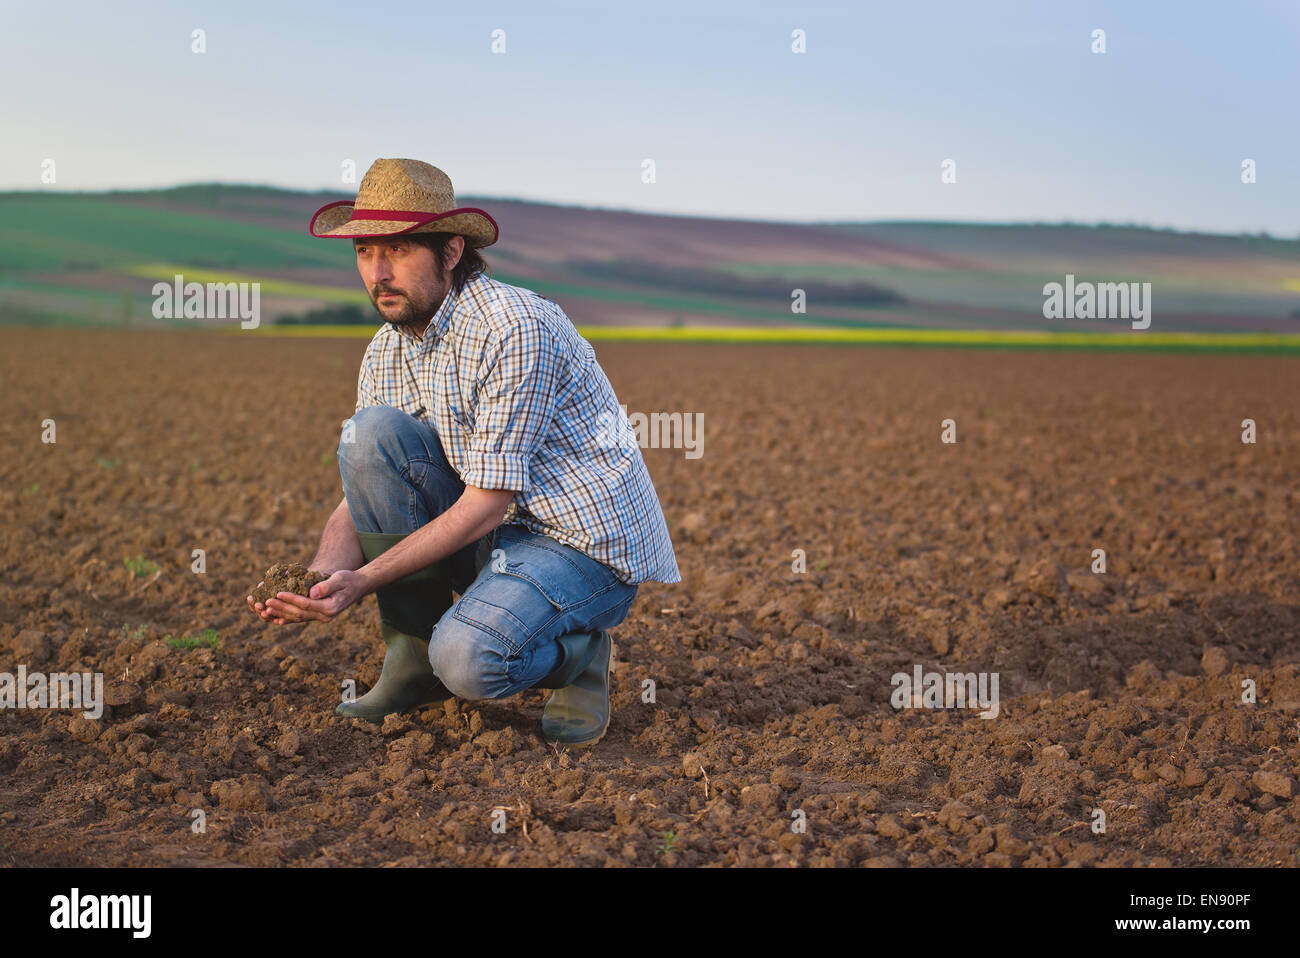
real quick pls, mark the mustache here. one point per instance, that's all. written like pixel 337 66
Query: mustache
pixel 375 291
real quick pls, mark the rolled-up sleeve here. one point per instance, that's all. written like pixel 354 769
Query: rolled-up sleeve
pixel 515 402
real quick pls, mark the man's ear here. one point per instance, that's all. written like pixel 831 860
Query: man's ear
pixel 454 250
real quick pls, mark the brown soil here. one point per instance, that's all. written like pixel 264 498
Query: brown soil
pixel 1121 692
pixel 286 577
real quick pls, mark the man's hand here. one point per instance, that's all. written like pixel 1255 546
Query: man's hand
pixel 285 616
pixel 339 550
pixel 476 513
pixel 327 599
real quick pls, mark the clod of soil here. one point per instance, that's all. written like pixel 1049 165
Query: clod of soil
pixel 286 577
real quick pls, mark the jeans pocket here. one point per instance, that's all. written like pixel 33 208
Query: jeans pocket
pixel 549 570
pixel 552 590
pixel 501 628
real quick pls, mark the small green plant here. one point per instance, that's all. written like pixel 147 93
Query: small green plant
pixel 821 564
pixel 137 633
pixel 140 566
pixel 667 846
pixel 328 458
pixel 34 487
pixel 108 463
pixel 194 465
pixel 223 475
pixel 186 642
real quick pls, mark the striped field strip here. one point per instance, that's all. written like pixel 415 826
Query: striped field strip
pixel 164 273
pixel 1134 340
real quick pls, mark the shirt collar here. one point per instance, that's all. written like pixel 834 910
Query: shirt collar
pixel 437 327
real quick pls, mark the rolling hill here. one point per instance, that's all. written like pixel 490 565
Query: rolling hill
pixel 93 258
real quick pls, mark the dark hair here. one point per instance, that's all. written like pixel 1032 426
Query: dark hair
pixel 471 262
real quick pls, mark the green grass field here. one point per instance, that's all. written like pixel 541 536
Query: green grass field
pixel 62 232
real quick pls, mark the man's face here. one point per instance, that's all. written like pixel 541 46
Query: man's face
pixel 404 279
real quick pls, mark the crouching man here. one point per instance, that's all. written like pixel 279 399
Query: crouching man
pixel 488 457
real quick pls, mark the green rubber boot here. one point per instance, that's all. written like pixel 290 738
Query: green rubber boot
pixel 408 608
pixel 577 713
pixel 576 651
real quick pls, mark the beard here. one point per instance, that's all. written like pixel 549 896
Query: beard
pixel 410 310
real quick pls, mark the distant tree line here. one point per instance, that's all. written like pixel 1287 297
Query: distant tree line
pixel 345 315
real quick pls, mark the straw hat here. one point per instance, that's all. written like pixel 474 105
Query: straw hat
pixel 403 196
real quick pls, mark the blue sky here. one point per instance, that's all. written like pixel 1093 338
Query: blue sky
pixel 1153 131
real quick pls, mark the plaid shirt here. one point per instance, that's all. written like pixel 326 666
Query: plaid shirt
pixel 519 402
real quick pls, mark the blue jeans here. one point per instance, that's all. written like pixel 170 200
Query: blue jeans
pixel 518 590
